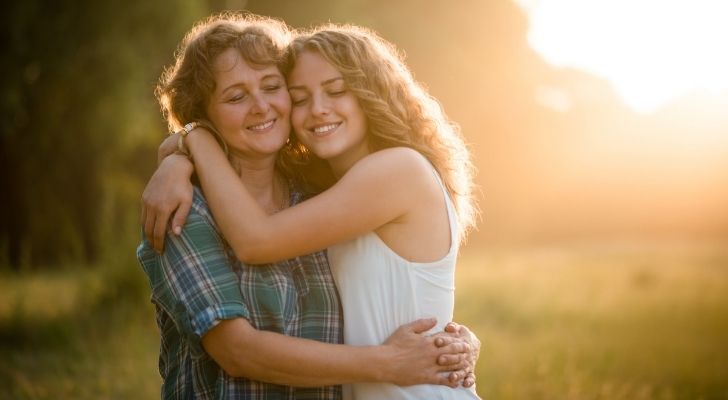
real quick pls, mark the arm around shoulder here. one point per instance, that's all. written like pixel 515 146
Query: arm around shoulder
pixel 379 189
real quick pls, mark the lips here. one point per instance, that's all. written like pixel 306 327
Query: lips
pixel 262 126
pixel 324 129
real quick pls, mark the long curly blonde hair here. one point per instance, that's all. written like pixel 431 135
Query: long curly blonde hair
pixel 398 109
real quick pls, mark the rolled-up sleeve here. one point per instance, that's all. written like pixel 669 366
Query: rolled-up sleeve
pixel 193 280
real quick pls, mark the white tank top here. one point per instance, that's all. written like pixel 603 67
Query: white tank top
pixel 380 291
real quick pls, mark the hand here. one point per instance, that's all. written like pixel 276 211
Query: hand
pixel 455 331
pixel 168 147
pixel 168 191
pixel 414 357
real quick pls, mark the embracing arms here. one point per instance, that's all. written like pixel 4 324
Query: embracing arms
pixel 194 283
pixel 406 358
pixel 169 192
pixel 370 195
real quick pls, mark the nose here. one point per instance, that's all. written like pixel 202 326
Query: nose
pixel 260 104
pixel 321 105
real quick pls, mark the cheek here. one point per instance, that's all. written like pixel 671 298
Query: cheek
pixel 226 114
pixel 214 113
pixel 283 104
pixel 298 116
pixel 359 117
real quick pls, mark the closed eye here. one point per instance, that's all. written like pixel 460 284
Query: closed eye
pixel 236 98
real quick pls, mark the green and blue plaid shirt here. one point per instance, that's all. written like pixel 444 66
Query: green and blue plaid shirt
pixel 197 282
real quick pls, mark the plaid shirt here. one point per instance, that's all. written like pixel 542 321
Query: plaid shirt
pixel 197 282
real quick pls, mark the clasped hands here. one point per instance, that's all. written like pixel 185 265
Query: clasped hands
pixel 445 358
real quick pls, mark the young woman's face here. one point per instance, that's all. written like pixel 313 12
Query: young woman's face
pixel 250 106
pixel 326 116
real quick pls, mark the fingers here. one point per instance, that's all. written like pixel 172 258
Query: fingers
pixel 421 325
pixel 461 369
pixel 180 216
pixel 454 363
pixel 455 378
pixel 469 380
pixel 155 226
pixel 148 224
pixel 445 339
pixel 160 229
pixel 449 359
pixel 456 347
pixel 446 379
pixel 452 327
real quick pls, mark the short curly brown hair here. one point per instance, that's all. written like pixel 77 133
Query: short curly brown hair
pixel 185 87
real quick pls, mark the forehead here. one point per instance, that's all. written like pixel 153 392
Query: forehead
pixel 230 67
pixel 311 68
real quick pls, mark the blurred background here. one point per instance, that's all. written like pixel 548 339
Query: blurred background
pixel 599 129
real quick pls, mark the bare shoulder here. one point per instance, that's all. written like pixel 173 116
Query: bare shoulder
pixel 394 173
pixel 395 162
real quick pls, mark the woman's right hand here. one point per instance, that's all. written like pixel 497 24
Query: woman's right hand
pixel 168 191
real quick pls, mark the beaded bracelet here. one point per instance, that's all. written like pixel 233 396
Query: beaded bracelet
pixel 189 127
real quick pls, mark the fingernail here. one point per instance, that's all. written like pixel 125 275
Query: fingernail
pixel 177 230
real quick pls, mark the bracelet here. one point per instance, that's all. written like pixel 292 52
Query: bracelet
pixel 189 127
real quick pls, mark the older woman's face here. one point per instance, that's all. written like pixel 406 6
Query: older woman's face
pixel 250 106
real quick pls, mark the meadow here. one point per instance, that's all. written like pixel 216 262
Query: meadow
pixel 579 321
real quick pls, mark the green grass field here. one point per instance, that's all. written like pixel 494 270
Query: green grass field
pixel 557 322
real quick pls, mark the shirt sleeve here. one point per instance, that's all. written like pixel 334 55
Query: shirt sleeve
pixel 193 280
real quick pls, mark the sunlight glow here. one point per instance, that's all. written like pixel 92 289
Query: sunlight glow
pixel 652 51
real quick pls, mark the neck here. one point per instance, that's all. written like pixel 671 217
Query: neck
pixel 262 181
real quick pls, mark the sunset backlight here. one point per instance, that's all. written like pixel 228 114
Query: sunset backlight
pixel 651 51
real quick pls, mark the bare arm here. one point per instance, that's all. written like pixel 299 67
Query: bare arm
pixel 379 189
pixel 407 358
pixel 193 281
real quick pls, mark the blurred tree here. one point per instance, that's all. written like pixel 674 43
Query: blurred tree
pixel 78 114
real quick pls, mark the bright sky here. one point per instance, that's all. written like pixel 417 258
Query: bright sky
pixel 652 51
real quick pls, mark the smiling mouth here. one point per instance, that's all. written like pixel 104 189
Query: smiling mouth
pixel 325 129
pixel 261 127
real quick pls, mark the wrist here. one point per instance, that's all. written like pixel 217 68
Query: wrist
pixel 182 135
pixel 198 140
pixel 180 162
pixel 380 368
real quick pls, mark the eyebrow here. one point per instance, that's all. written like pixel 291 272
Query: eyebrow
pixel 240 83
pixel 324 83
